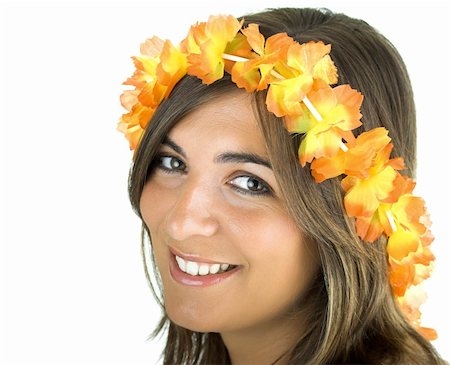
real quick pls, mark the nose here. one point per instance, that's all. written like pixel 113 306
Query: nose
pixel 191 214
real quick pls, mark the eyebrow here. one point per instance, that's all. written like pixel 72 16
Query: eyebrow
pixel 226 157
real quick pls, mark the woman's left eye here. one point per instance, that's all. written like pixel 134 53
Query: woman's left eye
pixel 250 185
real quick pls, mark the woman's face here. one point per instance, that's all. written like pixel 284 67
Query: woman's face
pixel 229 255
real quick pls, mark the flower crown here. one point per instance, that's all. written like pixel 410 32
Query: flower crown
pixel 298 79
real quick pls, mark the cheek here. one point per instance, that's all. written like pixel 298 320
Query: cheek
pixel 154 204
pixel 268 235
pixel 280 265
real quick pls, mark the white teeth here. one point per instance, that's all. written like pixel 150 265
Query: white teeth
pixel 181 263
pixel 214 269
pixel 194 268
pixel 203 270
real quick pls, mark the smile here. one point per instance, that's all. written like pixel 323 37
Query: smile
pixel 200 273
pixel 201 268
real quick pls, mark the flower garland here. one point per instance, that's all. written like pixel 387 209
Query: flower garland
pixel 298 79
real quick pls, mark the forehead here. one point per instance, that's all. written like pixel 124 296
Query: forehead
pixel 225 122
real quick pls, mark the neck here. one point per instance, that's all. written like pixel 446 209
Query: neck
pixel 268 344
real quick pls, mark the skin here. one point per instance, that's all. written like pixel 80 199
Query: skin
pixel 208 208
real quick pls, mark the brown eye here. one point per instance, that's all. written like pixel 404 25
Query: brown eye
pixel 170 163
pixel 250 185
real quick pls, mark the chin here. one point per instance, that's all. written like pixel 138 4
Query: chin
pixel 194 318
pixel 193 324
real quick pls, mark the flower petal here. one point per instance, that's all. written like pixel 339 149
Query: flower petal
pixel 401 277
pixel 364 196
pixel 408 210
pixel 356 161
pixel 284 96
pixel 206 43
pixel 255 39
pixel 402 243
pixel 312 59
pixel 172 67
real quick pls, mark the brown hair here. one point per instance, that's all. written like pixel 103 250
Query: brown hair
pixel 351 312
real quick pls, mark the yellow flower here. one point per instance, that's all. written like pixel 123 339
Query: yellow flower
pixel 158 69
pixel 257 72
pixel 171 68
pixel 402 243
pixel 364 195
pixel 401 277
pixel 162 73
pixel 313 59
pixel 339 108
pixel 206 43
pixel 134 123
pixel 146 63
pixel 356 161
pixel 284 97
pixel 369 228
pixel 305 63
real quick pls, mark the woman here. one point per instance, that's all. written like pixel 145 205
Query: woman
pixel 257 262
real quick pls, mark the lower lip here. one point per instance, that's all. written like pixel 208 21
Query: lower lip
pixel 198 280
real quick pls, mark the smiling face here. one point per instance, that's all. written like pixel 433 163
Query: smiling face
pixel 229 255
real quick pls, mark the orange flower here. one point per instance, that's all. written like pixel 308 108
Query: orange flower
pixel 171 68
pixel 339 108
pixel 365 195
pixel 406 243
pixel 369 228
pixel 239 47
pixel 146 63
pixel 408 211
pixel 129 98
pixel 423 272
pixel 409 304
pixel 401 277
pixel 134 123
pixel 158 70
pixel 206 43
pixel 313 59
pixel 429 333
pixel 284 97
pixel 305 63
pixel 402 244
pixel 405 279
pixel 257 72
pixel 356 161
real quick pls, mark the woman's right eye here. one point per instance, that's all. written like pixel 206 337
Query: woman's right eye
pixel 170 164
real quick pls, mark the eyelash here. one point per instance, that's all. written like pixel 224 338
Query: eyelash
pixel 266 190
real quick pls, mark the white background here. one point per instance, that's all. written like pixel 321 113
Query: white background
pixel 72 284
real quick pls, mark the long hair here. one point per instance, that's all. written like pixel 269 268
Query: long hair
pixel 351 313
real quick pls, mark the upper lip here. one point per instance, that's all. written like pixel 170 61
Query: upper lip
pixel 196 258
